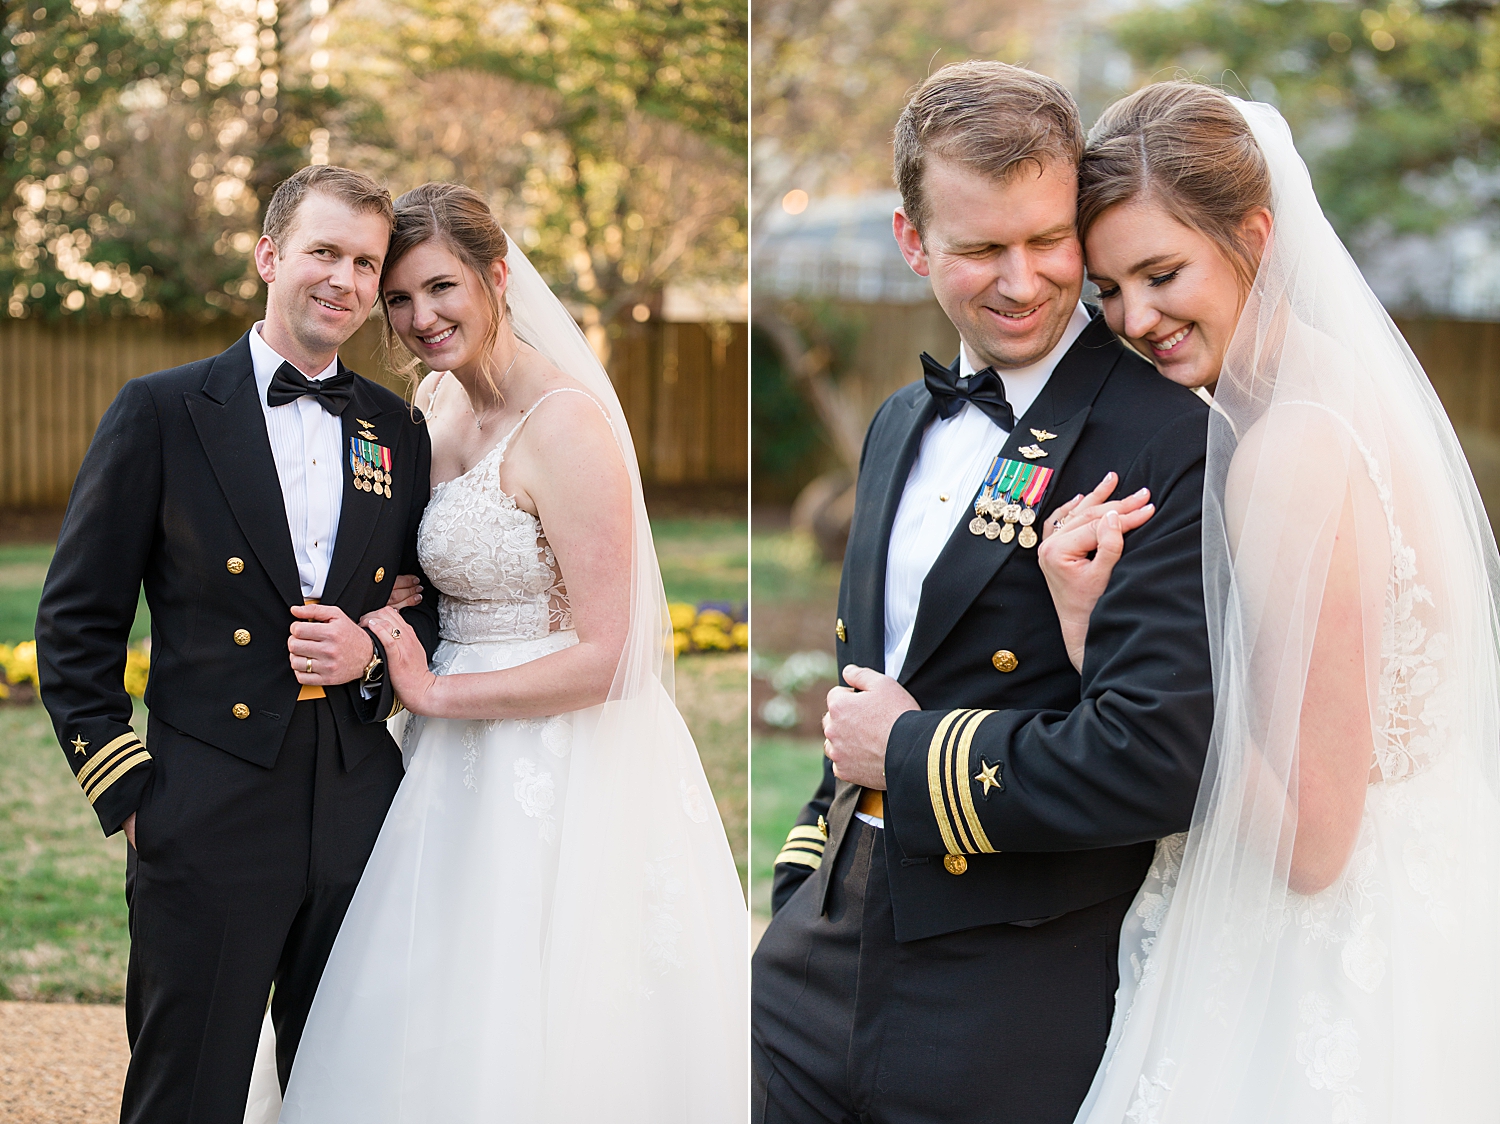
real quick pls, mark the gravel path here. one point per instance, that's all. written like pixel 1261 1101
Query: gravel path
pixel 61 1063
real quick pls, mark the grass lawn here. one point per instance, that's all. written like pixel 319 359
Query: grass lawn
pixel 785 772
pixel 703 559
pixel 795 595
pixel 62 884
pixel 712 695
pixel 62 900
pixel 22 568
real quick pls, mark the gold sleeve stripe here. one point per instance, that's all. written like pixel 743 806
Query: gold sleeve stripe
pixel 801 858
pixel 935 780
pixel 965 785
pixel 807 833
pixel 123 744
pixel 100 787
pixel 965 843
pixel 802 847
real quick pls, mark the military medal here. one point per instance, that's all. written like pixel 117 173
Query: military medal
pixel 1008 499
pixel 371 464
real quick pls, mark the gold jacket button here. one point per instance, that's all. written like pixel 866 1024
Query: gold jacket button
pixel 235 565
pixel 840 631
pixel 955 864
pixel 240 711
pixel 1004 660
pixel 380 574
pixel 241 636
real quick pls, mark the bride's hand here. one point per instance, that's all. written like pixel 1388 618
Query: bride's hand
pixel 1081 542
pixel 406 591
pixel 405 659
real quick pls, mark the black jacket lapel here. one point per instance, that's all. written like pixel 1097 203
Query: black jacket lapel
pixel 361 510
pixel 968 561
pixel 888 463
pixel 229 421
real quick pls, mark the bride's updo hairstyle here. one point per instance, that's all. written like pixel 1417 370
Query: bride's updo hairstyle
pixel 1184 146
pixel 459 218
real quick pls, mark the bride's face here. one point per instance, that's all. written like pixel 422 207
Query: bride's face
pixel 1168 289
pixel 437 306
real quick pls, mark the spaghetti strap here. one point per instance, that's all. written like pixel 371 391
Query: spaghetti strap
pixel 505 441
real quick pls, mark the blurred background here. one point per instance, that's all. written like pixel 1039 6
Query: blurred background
pixel 1395 107
pixel 139 143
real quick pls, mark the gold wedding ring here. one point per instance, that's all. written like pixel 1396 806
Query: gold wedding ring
pixel 309 667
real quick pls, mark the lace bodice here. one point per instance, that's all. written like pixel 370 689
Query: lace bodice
pixel 496 575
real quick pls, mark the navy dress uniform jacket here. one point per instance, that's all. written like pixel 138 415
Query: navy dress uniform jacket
pixel 179 492
pixel 1085 771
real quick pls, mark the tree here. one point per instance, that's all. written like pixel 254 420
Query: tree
pixel 609 137
pixel 141 145
pixel 1395 107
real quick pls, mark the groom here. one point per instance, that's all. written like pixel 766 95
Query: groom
pixel 266 498
pixel 949 904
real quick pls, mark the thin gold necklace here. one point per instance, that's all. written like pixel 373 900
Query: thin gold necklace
pixel 478 418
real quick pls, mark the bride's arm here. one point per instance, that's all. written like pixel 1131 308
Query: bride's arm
pixel 1081 542
pixel 566 464
pixel 1335 744
pixel 1334 749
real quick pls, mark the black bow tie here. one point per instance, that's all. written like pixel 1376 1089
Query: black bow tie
pixel 332 393
pixel 983 388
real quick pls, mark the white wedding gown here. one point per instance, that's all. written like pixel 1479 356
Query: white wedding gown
pixel 1378 1003
pixel 550 926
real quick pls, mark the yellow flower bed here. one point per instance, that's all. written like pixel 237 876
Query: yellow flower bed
pixel 706 630
pixel 18 666
pixel 137 669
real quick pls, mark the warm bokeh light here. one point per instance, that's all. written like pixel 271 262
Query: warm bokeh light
pixel 794 202
pixel 641 313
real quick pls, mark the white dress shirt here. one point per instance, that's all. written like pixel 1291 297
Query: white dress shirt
pixel 950 466
pixel 307 446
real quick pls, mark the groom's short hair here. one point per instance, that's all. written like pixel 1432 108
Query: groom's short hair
pixel 988 117
pixel 356 190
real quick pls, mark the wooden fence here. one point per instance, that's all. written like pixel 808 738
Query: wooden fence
pixel 684 388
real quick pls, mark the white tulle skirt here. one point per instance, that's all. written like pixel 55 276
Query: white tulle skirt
pixel 550 928
pixel 1376 1001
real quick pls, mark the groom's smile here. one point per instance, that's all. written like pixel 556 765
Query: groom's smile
pixel 1002 255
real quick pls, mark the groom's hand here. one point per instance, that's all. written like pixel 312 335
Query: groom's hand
pixel 338 648
pixel 858 724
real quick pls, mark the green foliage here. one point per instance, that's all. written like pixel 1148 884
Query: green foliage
pixel 143 139
pixel 633 166
pixel 1396 107
pixel 141 143
pixel 787 447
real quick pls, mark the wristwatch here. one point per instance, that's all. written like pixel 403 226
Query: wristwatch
pixel 372 673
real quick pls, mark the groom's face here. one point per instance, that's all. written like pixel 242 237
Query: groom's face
pixel 323 279
pixel 1003 257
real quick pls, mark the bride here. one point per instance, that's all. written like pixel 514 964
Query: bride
pixel 550 927
pixel 1320 945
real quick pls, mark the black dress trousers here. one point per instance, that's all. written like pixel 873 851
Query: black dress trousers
pixel 998 1024
pixel 241 879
